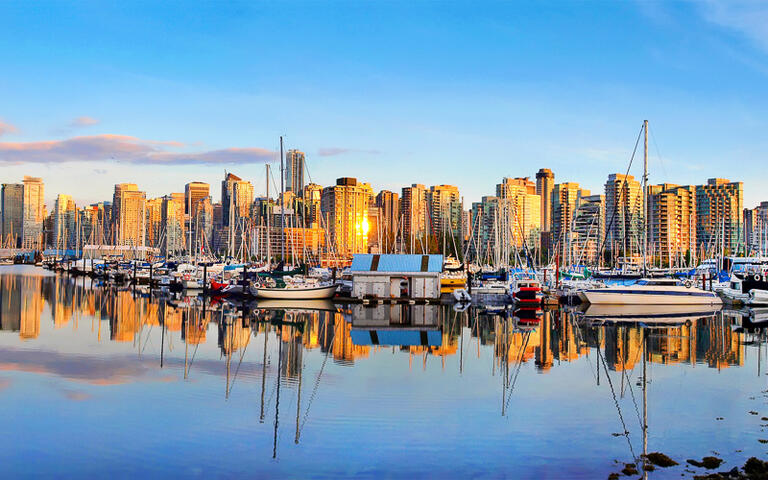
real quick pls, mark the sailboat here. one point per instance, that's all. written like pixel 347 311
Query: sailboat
pixel 648 291
pixel 289 287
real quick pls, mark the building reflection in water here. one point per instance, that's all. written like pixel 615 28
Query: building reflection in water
pixel 352 333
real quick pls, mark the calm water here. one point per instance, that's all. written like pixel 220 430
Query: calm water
pixel 97 381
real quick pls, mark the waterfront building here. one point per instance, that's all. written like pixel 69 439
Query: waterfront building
pixel 445 207
pixel 11 214
pixel 623 215
pixel 520 215
pixel 671 222
pixel 202 226
pixel 414 213
pixel 564 199
pixel 311 197
pixel 154 213
pixel 719 216
pixel 194 192
pixel 345 208
pixel 294 172
pixel 64 223
pixel 389 204
pixel 33 207
pixel 588 229
pixel 238 192
pixel 545 181
pixel 92 221
pixel 172 215
pixel 482 243
pixel 129 215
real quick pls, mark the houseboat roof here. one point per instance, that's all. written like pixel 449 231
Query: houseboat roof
pixel 391 263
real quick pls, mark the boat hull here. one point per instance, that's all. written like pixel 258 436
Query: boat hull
pixel 629 296
pixel 295 293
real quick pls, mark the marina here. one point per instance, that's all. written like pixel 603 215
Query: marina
pixel 267 387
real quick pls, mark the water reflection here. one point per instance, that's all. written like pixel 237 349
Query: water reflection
pixel 286 361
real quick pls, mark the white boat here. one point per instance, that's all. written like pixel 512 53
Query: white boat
pixel 461 295
pixel 295 292
pixel 758 297
pixel 649 291
pixel 526 289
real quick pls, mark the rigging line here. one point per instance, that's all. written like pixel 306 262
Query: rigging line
pixel 517 371
pixel 658 154
pixel 616 403
pixel 631 390
pixel 577 329
pixel 625 187
pixel 314 390
pixel 242 354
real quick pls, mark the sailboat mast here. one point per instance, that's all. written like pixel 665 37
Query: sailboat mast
pixel 269 214
pixel 645 197
pixel 282 202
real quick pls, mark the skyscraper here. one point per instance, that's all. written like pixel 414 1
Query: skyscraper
pixel 172 212
pixel 129 215
pixel 519 210
pixel 445 208
pixel 193 193
pixel 238 192
pixel 623 214
pixel 719 213
pixel 64 222
pixel 671 222
pixel 588 229
pixel 33 212
pixel 11 213
pixel 389 203
pixel 545 181
pixel 564 200
pixel 345 206
pixel 414 213
pixel 294 172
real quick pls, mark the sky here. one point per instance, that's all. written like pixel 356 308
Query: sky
pixel 392 93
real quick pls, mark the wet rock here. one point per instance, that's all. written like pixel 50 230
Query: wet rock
pixel 613 476
pixel 648 467
pixel 765 419
pixel 710 463
pixel 756 468
pixel 762 440
pixel 630 469
pixel 660 460
pixel 719 418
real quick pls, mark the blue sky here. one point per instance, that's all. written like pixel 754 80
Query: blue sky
pixel 394 93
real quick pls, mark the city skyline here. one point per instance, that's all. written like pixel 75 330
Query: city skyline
pixel 507 93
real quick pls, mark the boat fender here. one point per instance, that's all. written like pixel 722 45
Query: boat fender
pixel 756 277
pixel 688 284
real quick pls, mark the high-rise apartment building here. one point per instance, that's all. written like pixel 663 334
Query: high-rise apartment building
pixel 172 212
pixel 238 192
pixel 129 215
pixel 11 214
pixel 719 215
pixel 756 229
pixel 623 214
pixel 345 208
pixel 564 200
pixel 545 182
pixel 520 212
pixel 64 222
pixel 154 213
pixel 202 226
pixel 414 214
pixel 445 207
pixel 33 206
pixel 671 222
pixel 311 198
pixel 588 229
pixel 389 204
pixel 294 172
pixel 194 192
